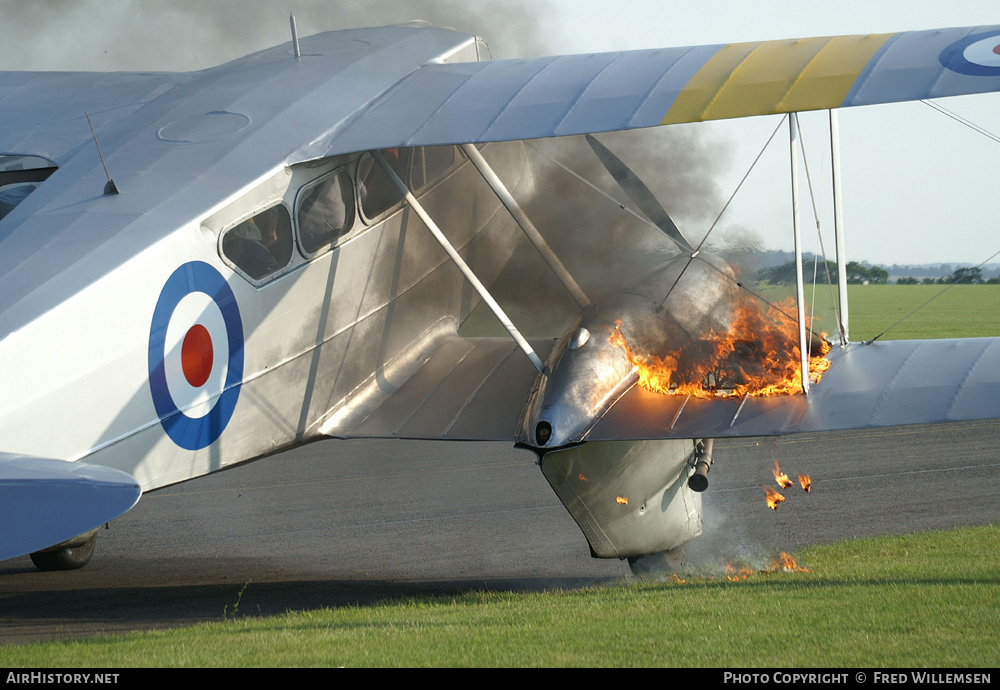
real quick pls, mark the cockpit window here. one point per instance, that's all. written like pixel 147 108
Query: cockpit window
pixel 262 245
pixel 326 212
pixel 378 193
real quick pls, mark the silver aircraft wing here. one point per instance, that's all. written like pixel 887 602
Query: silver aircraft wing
pixel 890 383
pixel 580 94
pixel 361 101
pixel 45 502
pixel 474 388
pixel 44 113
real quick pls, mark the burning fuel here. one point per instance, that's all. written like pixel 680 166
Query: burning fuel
pixel 734 574
pixel 786 564
pixel 805 482
pixel 783 563
pixel 783 481
pixel 773 498
pixel 759 356
pixel 622 501
pixel 583 478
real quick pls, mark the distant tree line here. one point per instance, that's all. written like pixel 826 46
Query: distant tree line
pixel 968 275
pixel 857 273
pixel 866 274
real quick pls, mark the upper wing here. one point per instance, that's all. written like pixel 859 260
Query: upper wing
pixel 44 113
pixel 468 102
pixel 577 94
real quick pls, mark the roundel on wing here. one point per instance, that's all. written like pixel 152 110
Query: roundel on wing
pixel 195 355
pixel 977 55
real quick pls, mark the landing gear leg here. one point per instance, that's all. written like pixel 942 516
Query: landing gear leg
pixel 70 555
pixel 658 564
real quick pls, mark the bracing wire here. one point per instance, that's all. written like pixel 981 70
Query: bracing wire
pixel 646 221
pixel 961 120
pixel 732 196
pixel 594 187
pixel 989 135
pixel 916 309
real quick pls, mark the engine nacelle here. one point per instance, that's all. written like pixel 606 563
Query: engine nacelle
pixel 587 372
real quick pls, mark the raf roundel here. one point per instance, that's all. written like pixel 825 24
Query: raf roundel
pixel 195 355
pixel 977 55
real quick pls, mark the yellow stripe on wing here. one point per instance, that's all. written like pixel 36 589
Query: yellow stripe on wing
pixel 745 79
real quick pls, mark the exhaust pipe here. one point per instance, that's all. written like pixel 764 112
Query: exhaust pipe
pixel 702 464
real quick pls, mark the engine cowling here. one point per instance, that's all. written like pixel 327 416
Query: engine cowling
pixel 587 372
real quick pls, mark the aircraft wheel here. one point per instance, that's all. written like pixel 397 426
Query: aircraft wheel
pixel 66 557
pixel 660 564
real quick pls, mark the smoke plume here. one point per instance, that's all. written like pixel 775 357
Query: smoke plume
pixel 140 35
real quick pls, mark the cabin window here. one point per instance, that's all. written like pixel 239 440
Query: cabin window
pixel 326 212
pixel 378 193
pixel 430 164
pixel 262 245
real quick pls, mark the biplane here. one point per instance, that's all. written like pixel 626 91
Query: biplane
pixel 319 240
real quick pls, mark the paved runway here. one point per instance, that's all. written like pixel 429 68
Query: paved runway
pixel 348 521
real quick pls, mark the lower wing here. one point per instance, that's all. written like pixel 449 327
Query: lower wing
pixel 45 502
pixel 476 388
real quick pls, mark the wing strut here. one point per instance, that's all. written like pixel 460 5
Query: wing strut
pixel 518 214
pixel 838 226
pixel 793 136
pixel 462 266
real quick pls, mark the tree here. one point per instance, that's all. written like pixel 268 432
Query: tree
pixel 878 274
pixel 779 275
pixel 785 273
pixel 907 281
pixel 865 273
pixel 968 275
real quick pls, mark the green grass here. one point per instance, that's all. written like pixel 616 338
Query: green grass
pixel 963 311
pixel 926 600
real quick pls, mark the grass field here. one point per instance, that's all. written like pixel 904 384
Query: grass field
pixel 963 311
pixel 927 600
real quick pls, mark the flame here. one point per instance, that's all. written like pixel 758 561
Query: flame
pixel 678 580
pixel 787 564
pixel 759 356
pixel 783 563
pixel 805 482
pixel 622 501
pixel 773 498
pixel 783 481
pixel 583 478
pixel 736 574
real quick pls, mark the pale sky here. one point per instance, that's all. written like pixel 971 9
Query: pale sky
pixel 918 187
